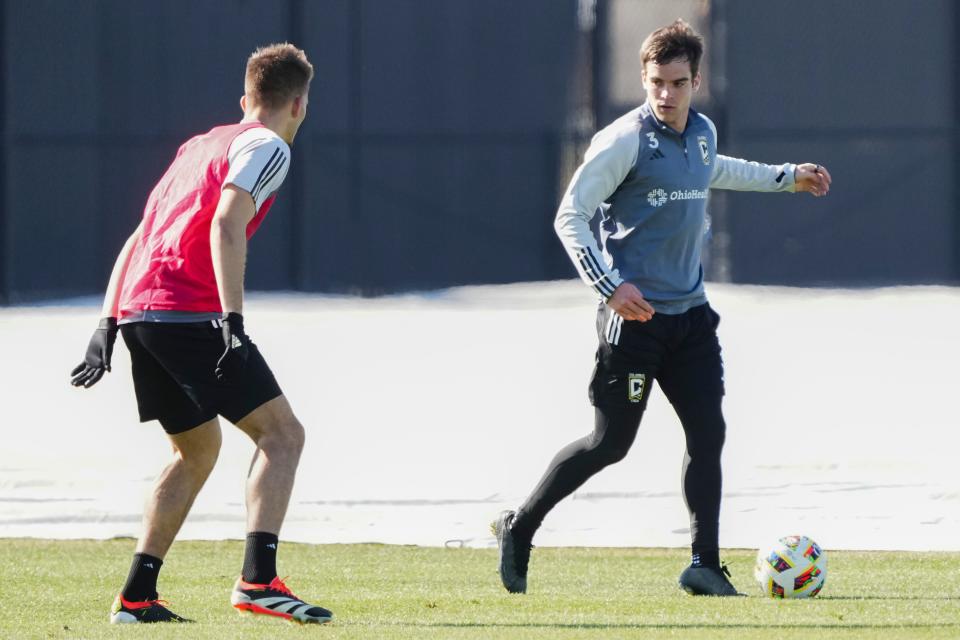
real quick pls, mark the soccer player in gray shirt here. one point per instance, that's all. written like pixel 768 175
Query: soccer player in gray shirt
pixel 648 175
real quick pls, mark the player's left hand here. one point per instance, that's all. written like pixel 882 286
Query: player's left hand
pixel 97 360
pixel 812 178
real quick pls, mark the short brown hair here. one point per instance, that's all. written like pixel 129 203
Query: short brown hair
pixel 676 41
pixel 276 74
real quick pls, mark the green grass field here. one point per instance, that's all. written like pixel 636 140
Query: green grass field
pixel 63 589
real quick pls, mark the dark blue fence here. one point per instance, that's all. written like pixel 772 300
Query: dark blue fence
pixel 438 138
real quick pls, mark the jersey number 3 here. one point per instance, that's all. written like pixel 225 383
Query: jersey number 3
pixel 654 143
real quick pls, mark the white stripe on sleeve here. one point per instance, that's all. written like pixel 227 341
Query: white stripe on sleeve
pixel 259 161
pixel 611 155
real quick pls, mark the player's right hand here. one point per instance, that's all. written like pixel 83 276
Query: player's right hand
pixel 628 302
pixel 812 178
pixel 234 358
pixel 99 351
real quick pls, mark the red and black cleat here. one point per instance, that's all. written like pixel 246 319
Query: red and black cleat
pixel 126 612
pixel 275 599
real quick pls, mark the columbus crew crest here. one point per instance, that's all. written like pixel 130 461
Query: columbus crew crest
pixel 704 149
pixel 636 383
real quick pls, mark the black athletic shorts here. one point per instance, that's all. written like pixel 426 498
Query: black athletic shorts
pixel 681 352
pixel 174 375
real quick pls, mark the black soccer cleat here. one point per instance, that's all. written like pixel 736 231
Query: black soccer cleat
pixel 127 612
pixel 707 581
pixel 276 599
pixel 514 553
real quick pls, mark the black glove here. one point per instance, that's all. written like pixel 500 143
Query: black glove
pixel 234 358
pixel 99 351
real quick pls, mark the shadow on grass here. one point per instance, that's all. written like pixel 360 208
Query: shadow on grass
pixel 918 598
pixel 652 626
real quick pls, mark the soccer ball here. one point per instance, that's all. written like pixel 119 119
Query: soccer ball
pixel 794 567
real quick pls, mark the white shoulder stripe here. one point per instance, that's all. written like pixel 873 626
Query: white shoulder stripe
pixel 272 162
pixel 273 171
pixel 259 161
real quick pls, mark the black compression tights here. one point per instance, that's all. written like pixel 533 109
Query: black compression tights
pixel 572 466
pixel 613 434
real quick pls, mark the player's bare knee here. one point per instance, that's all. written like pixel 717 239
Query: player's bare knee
pixel 200 460
pixel 198 450
pixel 297 435
pixel 287 436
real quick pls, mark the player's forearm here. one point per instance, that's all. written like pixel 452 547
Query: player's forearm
pixel 111 299
pixel 228 248
pixel 744 175
pixel 228 245
pixel 573 229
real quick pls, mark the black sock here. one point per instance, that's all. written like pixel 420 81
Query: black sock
pixel 142 579
pixel 706 558
pixel 260 558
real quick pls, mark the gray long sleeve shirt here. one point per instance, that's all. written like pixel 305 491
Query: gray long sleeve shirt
pixel 650 185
